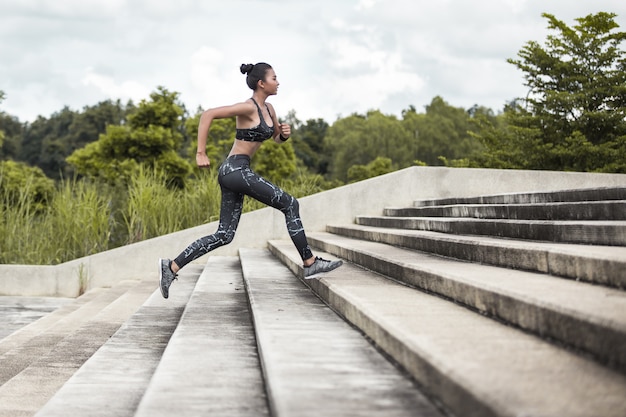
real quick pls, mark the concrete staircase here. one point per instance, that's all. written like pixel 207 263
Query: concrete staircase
pixel 504 305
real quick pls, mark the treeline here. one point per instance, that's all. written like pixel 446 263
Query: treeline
pixel 101 139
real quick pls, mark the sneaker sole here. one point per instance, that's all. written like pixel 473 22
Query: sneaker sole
pixel 161 278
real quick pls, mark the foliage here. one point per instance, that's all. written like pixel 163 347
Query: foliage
pixel 441 132
pixel 46 143
pixel 20 184
pixel 151 138
pixel 275 161
pixel 10 136
pixel 574 117
pixel 378 166
pixel 74 223
pixel 153 209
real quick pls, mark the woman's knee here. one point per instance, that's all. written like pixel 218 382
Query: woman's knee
pixel 225 237
pixel 292 206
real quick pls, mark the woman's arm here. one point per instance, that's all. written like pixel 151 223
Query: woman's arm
pixel 207 117
pixel 282 131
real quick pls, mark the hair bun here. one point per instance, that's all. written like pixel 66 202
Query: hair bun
pixel 246 68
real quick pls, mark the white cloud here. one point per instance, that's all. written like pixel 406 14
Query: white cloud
pixel 331 57
pixel 114 89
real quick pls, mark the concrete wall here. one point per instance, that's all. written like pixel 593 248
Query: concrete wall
pixel 340 205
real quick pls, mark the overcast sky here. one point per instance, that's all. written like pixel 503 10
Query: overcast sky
pixel 332 57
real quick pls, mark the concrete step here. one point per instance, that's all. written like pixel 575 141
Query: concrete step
pixel 30 389
pixel 611 233
pixel 580 210
pixel 35 328
pixel 473 365
pixel 210 366
pixel 604 265
pixel 586 317
pixel 315 364
pixel 582 194
pixel 36 340
pixel 115 378
pixel 20 311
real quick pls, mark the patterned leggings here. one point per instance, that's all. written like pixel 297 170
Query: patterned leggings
pixel 236 179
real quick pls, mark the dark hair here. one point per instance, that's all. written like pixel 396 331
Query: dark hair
pixel 255 73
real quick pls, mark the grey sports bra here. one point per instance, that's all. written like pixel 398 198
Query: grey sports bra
pixel 259 133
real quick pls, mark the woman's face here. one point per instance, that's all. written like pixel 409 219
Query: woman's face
pixel 270 84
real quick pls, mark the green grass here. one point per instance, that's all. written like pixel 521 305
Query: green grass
pixel 83 217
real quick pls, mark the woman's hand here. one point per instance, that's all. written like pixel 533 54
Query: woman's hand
pixel 202 160
pixel 285 130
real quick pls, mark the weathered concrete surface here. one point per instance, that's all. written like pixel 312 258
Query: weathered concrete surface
pixel 588 317
pixel 604 265
pixel 210 366
pixel 474 365
pixel 114 379
pixel 17 312
pixel 50 365
pixel 315 364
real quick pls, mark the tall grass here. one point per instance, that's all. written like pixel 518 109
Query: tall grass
pixel 154 209
pixel 18 226
pixel 84 217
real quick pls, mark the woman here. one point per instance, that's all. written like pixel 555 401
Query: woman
pixel 256 122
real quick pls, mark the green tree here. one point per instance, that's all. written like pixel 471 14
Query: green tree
pixel 441 133
pixel 308 144
pixel 10 136
pixel 574 117
pixel 22 184
pixel 378 166
pixel 1 131
pixel 275 162
pixel 360 139
pixel 151 138
pixel 47 142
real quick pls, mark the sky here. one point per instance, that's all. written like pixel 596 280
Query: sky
pixel 333 58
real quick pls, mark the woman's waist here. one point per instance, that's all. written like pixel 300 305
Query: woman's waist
pixel 233 163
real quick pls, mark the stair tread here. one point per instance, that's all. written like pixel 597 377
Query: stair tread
pixel 597 232
pixel 588 317
pixel 560 223
pixel 116 376
pixel 21 311
pixel 314 362
pixel 37 339
pixel 35 328
pixel 587 194
pixel 28 390
pixel 614 253
pixel 210 366
pixel 604 265
pixel 489 368
pixel 603 304
pixel 576 210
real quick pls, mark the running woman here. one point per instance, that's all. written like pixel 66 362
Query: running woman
pixel 256 122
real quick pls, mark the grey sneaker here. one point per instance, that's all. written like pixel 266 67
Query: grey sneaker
pixel 320 265
pixel 166 276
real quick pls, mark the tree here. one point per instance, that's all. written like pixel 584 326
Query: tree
pixel 440 133
pixel 378 166
pixel 25 185
pixel 275 162
pixel 360 139
pixel 308 144
pixel 10 136
pixel 151 138
pixel 574 117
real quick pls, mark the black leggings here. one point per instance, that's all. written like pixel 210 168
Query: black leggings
pixel 236 179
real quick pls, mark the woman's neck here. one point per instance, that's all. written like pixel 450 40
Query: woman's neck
pixel 259 97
